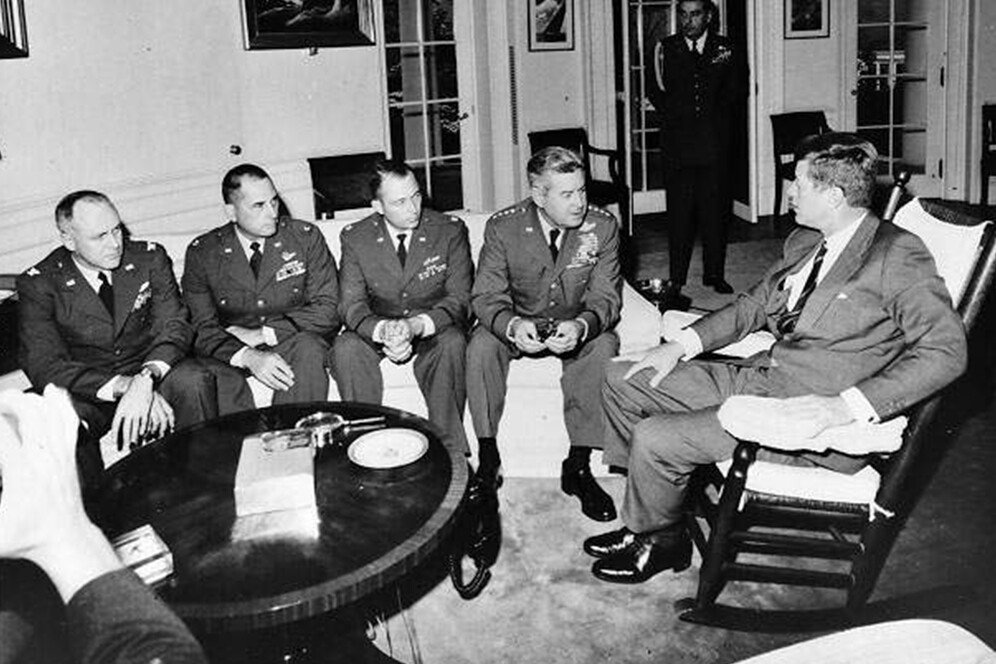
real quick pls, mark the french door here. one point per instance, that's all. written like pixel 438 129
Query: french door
pixel 897 50
pixel 425 106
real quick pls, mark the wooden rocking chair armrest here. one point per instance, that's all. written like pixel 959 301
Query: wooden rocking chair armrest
pixel 736 478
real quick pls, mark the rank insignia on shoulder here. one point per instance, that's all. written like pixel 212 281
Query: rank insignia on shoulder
pixel 150 246
pixel 32 272
pixel 129 267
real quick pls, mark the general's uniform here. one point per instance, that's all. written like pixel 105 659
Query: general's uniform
pixel 70 339
pixel 517 276
pixel 435 281
pixel 697 96
pixel 880 320
pixel 295 295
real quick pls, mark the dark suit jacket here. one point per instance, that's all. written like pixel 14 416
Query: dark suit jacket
pixel 296 291
pixel 435 280
pixel 67 335
pixel 116 618
pixel 698 97
pixel 881 320
pixel 516 275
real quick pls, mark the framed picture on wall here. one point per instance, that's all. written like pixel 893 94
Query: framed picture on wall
pixel 307 23
pixel 806 19
pixel 551 25
pixel 13 35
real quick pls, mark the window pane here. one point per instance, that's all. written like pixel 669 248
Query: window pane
pixel 441 72
pixel 446 184
pixel 444 129
pixel 406 133
pixel 910 102
pixel 438 17
pixel 911 50
pixel 873 101
pixel 910 148
pixel 873 11
pixel 403 82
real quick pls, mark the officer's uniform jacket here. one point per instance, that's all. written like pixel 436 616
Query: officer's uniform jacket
pixel 516 275
pixel 296 290
pixel 67 336
pixel 435 280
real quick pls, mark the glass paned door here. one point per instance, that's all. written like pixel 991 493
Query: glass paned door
pixel 423 96
pixel 898 90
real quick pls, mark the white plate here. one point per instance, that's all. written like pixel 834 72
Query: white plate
pixel 388 448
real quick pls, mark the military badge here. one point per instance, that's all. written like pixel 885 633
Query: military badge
pixel 291 269
pixel 144 294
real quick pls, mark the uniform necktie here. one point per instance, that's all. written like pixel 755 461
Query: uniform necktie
pixel 402 252
pixel 554 251
pixel 106 293
pixel 787 321
pixel 255 259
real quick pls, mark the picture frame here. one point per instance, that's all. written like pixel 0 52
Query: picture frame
pixel 807 19
pixel 551 25
pixel 13 30
pixel 312 24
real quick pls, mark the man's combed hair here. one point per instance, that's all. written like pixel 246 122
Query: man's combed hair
pixel 64 209
pixel 233 179
pixel 841 159
pixel 553 159
pixel 385 168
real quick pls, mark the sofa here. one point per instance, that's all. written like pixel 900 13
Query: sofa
pixel 533 437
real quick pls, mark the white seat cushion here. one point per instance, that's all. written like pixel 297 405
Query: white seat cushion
pixel 810 483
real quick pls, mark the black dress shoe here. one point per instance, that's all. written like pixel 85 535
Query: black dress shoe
pixel 595 503
pixel 489 476
pixel 671 298
pixel 718 284
pixel 643 559
pixel 607 544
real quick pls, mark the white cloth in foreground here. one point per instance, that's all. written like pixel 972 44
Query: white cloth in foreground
pixel 764 420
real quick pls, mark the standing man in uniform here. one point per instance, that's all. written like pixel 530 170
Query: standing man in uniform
pixel 405 290
pixel 262 292
pixel 696 82
pixel 548 282
pixel 101 316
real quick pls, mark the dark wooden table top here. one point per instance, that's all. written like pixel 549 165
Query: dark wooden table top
pixel 264 570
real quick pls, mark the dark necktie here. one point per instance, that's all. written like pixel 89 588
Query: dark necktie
pixel 106 293
pixel 255 259
pixel 554 251
pixel 787 321
pixel 402 252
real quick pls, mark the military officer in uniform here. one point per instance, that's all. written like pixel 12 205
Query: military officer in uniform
pixel 548 282
pixel 262 292
pixel 101 316
pixel 696 81
pixel 405 290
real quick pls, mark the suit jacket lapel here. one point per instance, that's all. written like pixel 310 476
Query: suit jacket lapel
pixel 535 240
pixel 418 248
pixel 236 265
pixel 80 295
pixel 849 261
pixel 388 255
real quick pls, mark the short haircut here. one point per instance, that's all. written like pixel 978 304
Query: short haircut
pixel 64 209
pixel 552 159
pixel 232 181
pixel 841 159
pixel 385 168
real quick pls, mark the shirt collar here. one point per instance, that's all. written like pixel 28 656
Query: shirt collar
pixel 92 275
pixel 547 227
pixel 699 43
pixel 245 242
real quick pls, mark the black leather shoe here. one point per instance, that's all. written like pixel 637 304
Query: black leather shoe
pixel 489 476
pixel 595 503
pixel 718 284
pixel 643 559
pixel 607 544
pixel 671 298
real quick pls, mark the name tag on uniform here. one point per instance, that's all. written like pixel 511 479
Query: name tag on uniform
pixel 291 269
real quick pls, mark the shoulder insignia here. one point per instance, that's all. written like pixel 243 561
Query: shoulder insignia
pixel 150 246
pixel 306 227
pixel 129 267
pixel 196 242
pixel 71 283
pixel 33 272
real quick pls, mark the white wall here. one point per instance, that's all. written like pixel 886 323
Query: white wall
pixel 123 96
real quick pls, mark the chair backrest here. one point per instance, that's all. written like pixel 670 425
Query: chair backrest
pixel 573 138
pixel 965 253
pixel 787 129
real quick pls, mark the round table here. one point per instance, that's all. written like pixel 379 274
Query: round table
pixel 250 572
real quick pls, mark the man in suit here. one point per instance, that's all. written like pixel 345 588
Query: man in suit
pixel 864 329
pixel 548 283
pixel 404 291
pixel 102 317
pixel 696 81
pixel 262 293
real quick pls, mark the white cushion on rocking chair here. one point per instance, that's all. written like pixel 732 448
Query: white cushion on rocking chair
pixel 810 482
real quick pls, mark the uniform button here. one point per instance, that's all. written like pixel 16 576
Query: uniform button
pixel 553 304
pixel 262 319
pixel 117 351
pixel 407 312
pixel 552 286
pixel 404 295
pixel 260 303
